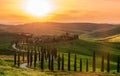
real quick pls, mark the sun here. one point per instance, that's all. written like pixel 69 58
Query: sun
pixel 38 8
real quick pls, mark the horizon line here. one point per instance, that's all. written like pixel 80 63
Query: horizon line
pixel 58 22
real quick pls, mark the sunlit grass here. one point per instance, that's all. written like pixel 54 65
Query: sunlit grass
pixel 113 65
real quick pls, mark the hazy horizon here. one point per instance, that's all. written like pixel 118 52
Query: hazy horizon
pixel 59 22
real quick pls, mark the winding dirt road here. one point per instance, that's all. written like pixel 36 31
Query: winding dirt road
pixel 24 65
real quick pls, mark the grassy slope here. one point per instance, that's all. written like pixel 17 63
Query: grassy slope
pixel 83 48
pixel 98 64
pixel 6 61
pixel 106 33
pixel 87 47
pixel 12 71
pixel 114 38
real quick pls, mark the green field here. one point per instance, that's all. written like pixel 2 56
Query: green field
pixel 83 49
pixel 86 47
pixel 7 67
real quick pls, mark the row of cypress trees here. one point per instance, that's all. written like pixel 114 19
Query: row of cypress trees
pixel 33 57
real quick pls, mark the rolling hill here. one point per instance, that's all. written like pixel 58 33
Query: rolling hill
pixel 57 28
pixel 106 33
pixel 84 30
pixel 114 38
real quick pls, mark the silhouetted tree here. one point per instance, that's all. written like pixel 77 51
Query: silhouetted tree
pixel 42 61
pixel 94 62
pixel 18 59
pixel 62 62
pixel 118 64
pixel 108 62
pixel 35 58
pixel 80 64
pixel 28 57
pixel 31 58
pixel 69 61
pixel 23 56
pixel 39 55
pixel 102 64
pixel 49 62
pixel 59 62
pixel 86 65
pixel 75 63
pixel 52 64
pixel 15 55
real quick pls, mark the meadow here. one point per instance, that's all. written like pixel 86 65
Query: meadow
pixel 83 49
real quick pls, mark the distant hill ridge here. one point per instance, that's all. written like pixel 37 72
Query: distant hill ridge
pixel 39 28
pixel 114 38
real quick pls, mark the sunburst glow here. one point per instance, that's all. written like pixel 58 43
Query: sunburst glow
pixel 38 8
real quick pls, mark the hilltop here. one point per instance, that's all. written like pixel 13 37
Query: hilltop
pixel 114 38
pixel 88 29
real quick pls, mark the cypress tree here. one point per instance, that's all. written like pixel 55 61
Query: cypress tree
pixel 49 62
pixel 118 64
pixel 39 55
pixel 28 57
pixel 62 62
pixel 94 62
pixel 69 61
pixel 80 64
pixel 31 58
pixel 86 65
pixel 75 63
pixel 102 64
pixel 36 55
pixel 52 64
pixel 45 52
pixel 108 62
pixel 35 58
pixel 23 56
pixel 15 55
pixel 18 59
pixel 59 62
pixel 42 61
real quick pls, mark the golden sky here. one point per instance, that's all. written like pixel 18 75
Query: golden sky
pixel 101 11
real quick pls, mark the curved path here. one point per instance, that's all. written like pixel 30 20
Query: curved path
pixel 14 47
pixel 24 65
